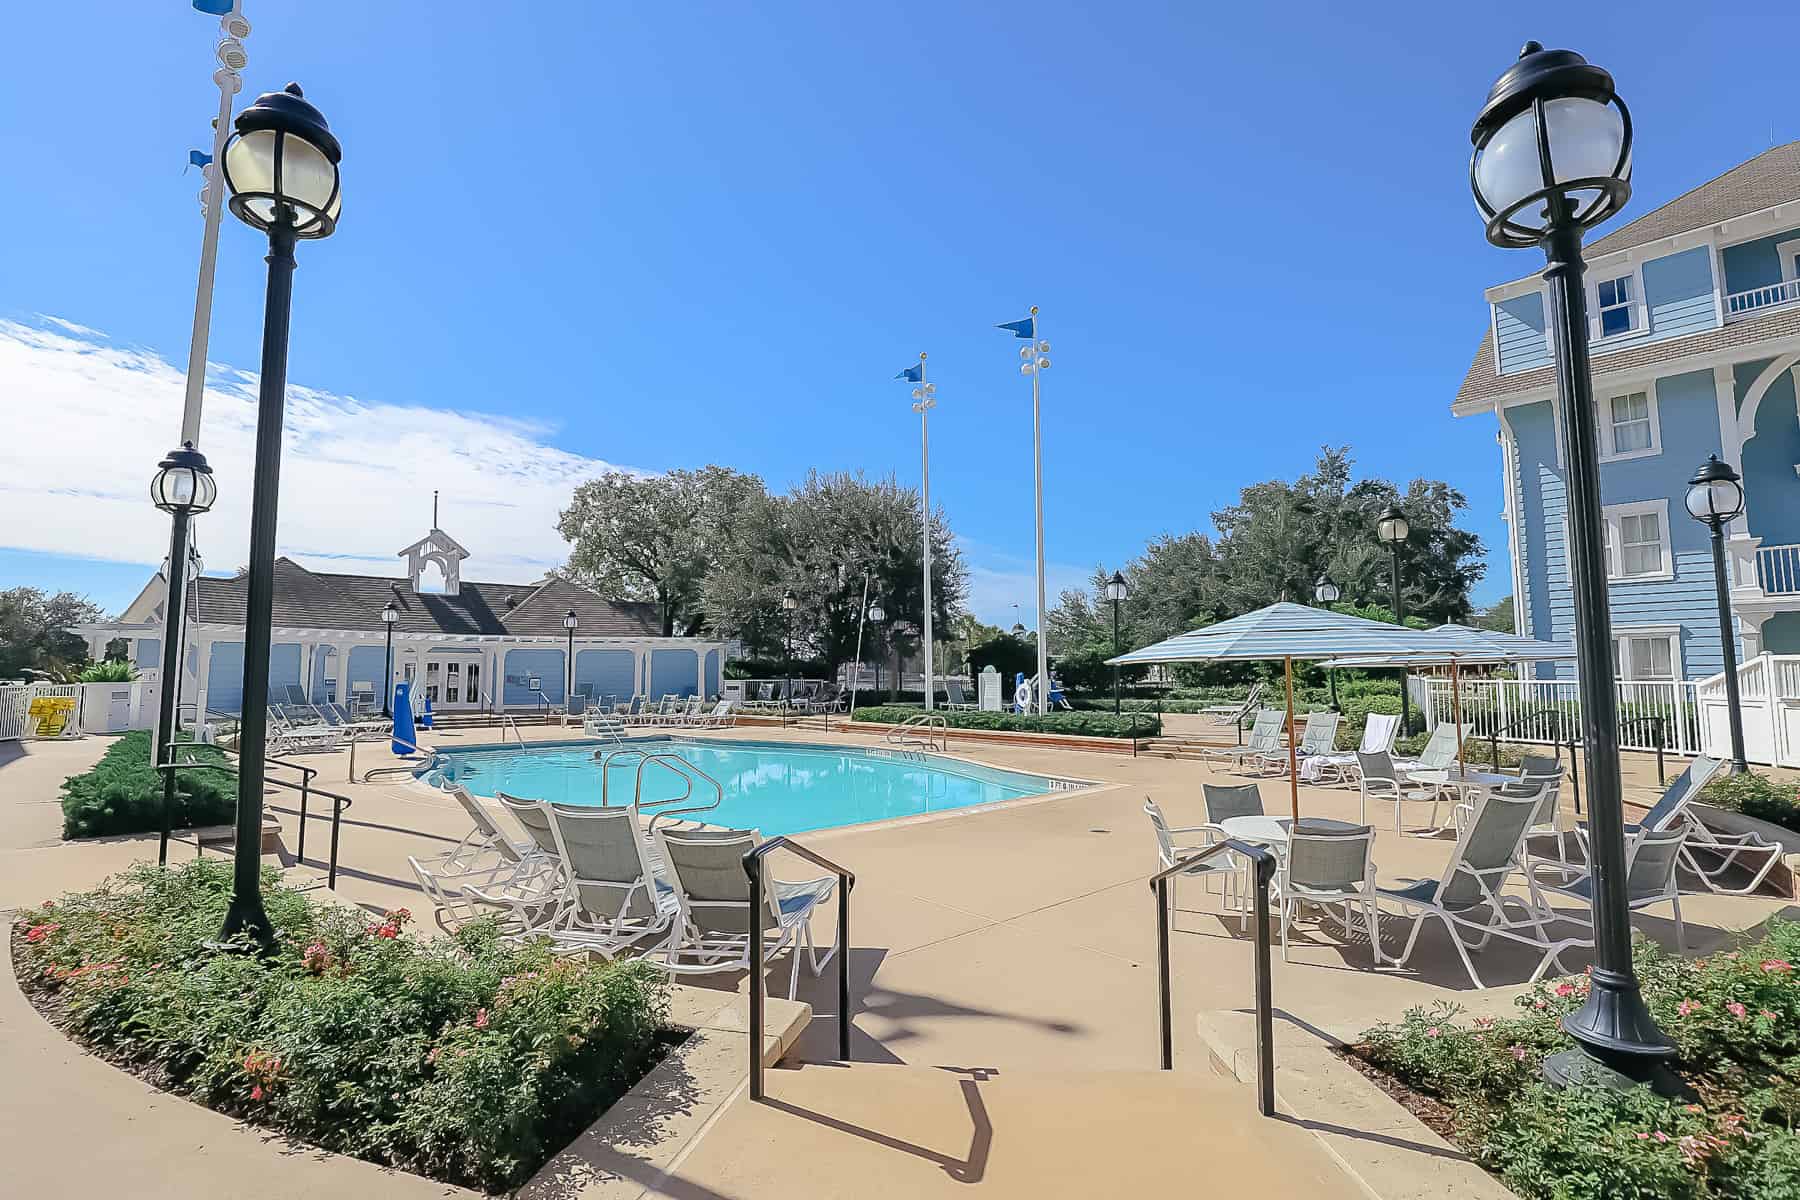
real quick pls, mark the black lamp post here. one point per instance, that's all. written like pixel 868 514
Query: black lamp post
pixel 877 615
pixel 571 623
pixel 281 169
pixel 1715 497
pixel 390 613
pixel 1553 157
pixel 183 486
pixel 1117 592
pixel 1327 593
pixel 788 604
pixel 1392 528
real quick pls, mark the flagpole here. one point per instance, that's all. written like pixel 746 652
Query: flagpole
pixel 923 406
pixel 229 84
pixel 1037 454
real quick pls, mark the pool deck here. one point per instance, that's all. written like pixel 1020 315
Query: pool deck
pixel 1003 959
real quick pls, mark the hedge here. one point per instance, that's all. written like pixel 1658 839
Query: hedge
pixel 122 793
pixel 1084 724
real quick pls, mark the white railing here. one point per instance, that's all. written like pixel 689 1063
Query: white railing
pixel 1769 697
pixel 1744 304
pixel 1548 711
pixel 12 712
pixel 1778 570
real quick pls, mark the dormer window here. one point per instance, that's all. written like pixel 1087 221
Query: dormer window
pixel 1615 305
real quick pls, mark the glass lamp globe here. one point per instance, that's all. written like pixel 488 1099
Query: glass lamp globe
pixel 1116 590
pixel 1392 527
pixel 877 613
pixel 281 166
pixel 1018 630
pixel 1552 148
pixel 788 600
pixel 1325 591
pixel 184 482
pixel 389 613
pixel 1715 494
pixel 571 621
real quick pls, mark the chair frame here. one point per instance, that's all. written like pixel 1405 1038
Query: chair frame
pixel 1291 895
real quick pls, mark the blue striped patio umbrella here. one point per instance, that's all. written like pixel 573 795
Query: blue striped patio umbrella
pixel 1286 632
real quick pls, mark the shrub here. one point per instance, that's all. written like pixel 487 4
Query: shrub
pixel 1756 796
pixel 112 670
pixel 1735 1022
pixel 470 1060
pixel 1086 724
pixel 123 793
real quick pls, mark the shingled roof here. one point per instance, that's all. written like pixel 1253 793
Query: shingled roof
pixel 1771 178
pixel 321 600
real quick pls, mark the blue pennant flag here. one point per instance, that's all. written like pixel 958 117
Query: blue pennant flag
pixel 217 8
pixel 1020 329
pixel 199 158
pixel 912 374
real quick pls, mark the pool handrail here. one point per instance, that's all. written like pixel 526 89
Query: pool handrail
pixel 758 984
pixel 688 772
pixel 934 728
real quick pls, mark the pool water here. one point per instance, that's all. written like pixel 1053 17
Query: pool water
pixel 774 787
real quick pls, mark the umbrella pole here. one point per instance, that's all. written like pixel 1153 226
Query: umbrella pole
pixel 1456 715
pixel 1293 750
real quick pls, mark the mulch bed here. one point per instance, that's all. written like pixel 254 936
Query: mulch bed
pixel 1433 1113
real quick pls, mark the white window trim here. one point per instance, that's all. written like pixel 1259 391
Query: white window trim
pixel 1604 427
pixel 1623 633
pixel 1640 309
pixel 1611 514
pixel 1785 252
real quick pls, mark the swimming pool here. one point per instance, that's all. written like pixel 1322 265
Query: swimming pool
pixel 775 787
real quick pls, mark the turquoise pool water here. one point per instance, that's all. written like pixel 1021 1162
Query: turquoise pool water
pixel 775 787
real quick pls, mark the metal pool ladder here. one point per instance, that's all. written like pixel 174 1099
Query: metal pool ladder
pixel 665 809
pixel 929 730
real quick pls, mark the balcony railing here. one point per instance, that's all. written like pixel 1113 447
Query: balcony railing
pixel 1778 570
pixel 1746 304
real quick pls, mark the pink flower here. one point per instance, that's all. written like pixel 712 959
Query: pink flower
pixel 1737 1010
pixel 1767 1014
pixel 1540 1005
pixel 1432 1032
pixel 316 958
pixel 1484 1022
pixel 387 930
pixel 1687 1007
pixel 1660 1136
pixel 38 933
pixel 1774 965
pixel 1518 1052
pixel 481 1018
pixel 256 1093
pixel 398 916
pixel 1564 989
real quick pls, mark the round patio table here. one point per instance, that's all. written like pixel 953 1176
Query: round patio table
pixel 1273 831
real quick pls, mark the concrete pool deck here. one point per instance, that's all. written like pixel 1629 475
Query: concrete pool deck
pixel 1010 949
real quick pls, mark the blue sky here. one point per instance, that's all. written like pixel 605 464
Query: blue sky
pixel 661 237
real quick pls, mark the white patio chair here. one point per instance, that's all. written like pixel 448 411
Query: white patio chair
pixel 1439 753
pixel 1378 737
pixel 1328 867
pixel 1377 778
pixel 1317 739
pixel 1169 852
pixel 957 700
pixel 1264 736
pixel 1234 714
pixel 613 898
pixel 1651 857
pixel 712 930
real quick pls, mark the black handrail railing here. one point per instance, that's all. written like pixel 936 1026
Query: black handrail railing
pixel 340 804
pixel 754 930
pixel 1659 726
pixel 1264 864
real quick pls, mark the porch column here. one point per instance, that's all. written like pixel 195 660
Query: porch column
pixel 1731 439
pixel 1750 634
pixel 202 669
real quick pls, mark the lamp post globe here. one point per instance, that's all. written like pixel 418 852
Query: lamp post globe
pixel 1116 591
pixel 1393 528
pixel 390 613
pixel 1552 159
pixel 182 486
pixel 1715 498
pixel 1018 629
pixel 281 172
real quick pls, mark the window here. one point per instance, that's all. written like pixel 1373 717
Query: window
pixel 1628 425
pixel 1636 539
pixel 1647 656
pixel 1614 307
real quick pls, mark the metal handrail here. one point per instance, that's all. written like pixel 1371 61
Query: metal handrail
pixel 930 723
pixel 1264 862
pixel 754 927
pixel 402 769
pixel 687 771
pixel 1660 725
pixel 340 804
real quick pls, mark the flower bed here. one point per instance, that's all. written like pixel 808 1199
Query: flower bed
pixel 1756 796
pixel 1735 1020
pixel 469 1060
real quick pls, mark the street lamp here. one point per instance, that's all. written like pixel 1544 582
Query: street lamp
pixel 788 604
pixel 1392 528
pixel 1715 497
pixel 571 623
pixel 877 615
pixel 183 486
pixel 390 613
pixel 281 168
pixel 1552 157
pixel 1327 593
pixel 1117 592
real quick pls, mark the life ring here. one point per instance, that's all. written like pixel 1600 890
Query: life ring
pixel 1022 696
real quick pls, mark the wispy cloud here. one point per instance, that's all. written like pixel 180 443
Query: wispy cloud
pixel 999 580
pixel 87 420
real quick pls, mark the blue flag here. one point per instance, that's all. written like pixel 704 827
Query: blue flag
pixel 1020 329
pixel 217 8
pixel 912 374
pixel 199 158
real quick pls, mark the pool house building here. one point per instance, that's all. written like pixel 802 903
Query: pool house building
pixel 466 646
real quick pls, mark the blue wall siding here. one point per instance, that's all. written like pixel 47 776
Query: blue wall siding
pixel 1519 333
pixel 1771 489
pixel 610 672
pixel 1678 292
pixel 714 662
pixel 366 666
pixel 284 669
pixel 225 678
pixel 1541 505
pixel 674 671
pixel 1754 264
pixel 147 653
pixel 521 665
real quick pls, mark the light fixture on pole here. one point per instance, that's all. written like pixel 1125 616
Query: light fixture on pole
pixel 877 615
pixel 1019 630
pixel 1035 360
pixel 390 613
pixel 183 486
pixel 1392 528
pixel 1715 498
pixel 1117 592
pixel 571 623
pixel 281 167
pixel 1327 594
pixel 924 400
pixel 789 602
pixel 1552 157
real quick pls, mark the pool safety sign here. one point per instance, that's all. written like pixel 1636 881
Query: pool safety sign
pixel 50 716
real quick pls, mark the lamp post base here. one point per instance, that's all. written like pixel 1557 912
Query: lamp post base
pixel 1580 1066
pixel 1619 1045
pixel 246 917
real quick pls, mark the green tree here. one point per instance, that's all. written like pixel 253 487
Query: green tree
pixel 35 631
pixel 1498 617
pixel 657 537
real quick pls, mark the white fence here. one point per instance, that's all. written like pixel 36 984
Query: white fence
pixel 1769 695
pixel 12 712
pixel 1547 711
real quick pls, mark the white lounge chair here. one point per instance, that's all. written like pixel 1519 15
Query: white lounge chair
pixel 1317 739
pixel 1378 738
pixel 956 699
pixel 720 717
pixel 1234 714
pixel 1722 849
pixel 485 861
pixel 1328 866
pixel 1264 736
pixel 613 898
pixel 711 932
pixel 1438 755
pixel 1651 857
